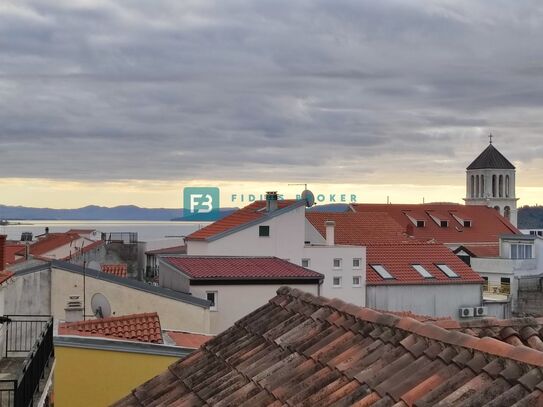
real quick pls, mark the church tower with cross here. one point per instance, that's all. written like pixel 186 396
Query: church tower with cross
pixel 490 181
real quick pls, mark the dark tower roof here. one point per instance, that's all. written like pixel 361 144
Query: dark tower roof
pixel 491 158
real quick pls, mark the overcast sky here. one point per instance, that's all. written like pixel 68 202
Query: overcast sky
pixel 138 93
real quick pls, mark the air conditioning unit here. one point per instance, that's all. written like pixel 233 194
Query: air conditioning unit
pixel 466 312
pixel 481 311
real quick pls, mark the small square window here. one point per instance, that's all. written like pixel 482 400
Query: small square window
pixel 305 263
pixel 264 231
pixel 336 282
pixel 337 263
pixel 212 297
pixel 356 263
pixel 421 223
pixel 357 281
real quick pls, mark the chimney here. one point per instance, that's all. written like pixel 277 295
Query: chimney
pixel 330 232
pixel 47 230
pixel 74 309
pixel 2 252
pixel 271 201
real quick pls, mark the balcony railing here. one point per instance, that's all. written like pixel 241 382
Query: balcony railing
pixel 498 288
pixel 28 342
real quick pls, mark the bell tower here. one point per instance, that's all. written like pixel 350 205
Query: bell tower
pixel 490 181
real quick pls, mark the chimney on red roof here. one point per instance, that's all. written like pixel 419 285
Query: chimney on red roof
pixel 271 201
pixel 2 252
pixel 330 232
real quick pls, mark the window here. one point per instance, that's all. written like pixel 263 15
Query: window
pixel 422 271
pixel 383 272
pixel 444 223
pixel 421 223
pixel 467 223
pixel 521 251
pixel 336 282
pixel 212 297
pixel 305 263
pixel 337 263
pixel 263 231
pixel 357 281
pixel 356 263
pixel 447 270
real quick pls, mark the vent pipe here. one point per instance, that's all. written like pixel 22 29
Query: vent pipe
pixel 330 232
pixel 271 201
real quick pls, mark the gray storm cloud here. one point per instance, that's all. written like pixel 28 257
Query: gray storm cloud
pixel 265 90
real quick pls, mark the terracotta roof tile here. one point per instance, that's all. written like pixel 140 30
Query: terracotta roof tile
pixel 487 225
pixel 52 241
pixel 398 259
pixel 482 250
pixel 218 267
pixel 135 327
pixel 119 270
pixel 187 339
pixel 241 217
pixel 297 350
pixel 181 249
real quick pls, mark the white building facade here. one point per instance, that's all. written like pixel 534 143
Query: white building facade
pixel 287 234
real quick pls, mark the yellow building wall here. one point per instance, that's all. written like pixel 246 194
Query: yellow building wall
pixel 92 377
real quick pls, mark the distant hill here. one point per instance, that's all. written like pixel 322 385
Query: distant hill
pixel 530 217
pixel 93 212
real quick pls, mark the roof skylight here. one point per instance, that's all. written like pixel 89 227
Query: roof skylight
pixel 447 270
pixel 382 271
pixel 422 271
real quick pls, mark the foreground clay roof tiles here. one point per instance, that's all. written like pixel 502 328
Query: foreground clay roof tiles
pixel 134 327
pixel 304 350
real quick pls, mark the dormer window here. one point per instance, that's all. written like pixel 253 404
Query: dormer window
pixel 416 219
pixel 464 222
pixel 440 220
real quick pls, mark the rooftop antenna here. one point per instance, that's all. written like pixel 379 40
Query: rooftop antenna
pixel 490 137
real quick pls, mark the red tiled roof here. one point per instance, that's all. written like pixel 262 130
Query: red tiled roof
pixel 359 228
pixel 482 250
pixel 399 258
pixel 52 241
pixel 12 250
pixel 487 223
pixel 135 327
pixel 239 268
pixel 188 339
pixel 119 270
pixel 304 350
pixel 182 249
pixel 81 231
pixel 239 218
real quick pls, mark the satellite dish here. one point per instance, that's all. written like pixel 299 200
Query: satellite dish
pixel 100 306
pixel 309 198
